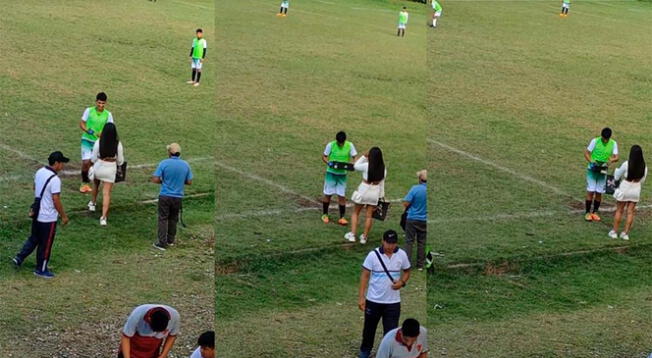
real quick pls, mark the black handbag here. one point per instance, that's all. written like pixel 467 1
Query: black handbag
pixel 611 184
pixel 35 208
pixel 121 173
pixel 382 209
pixel 403 221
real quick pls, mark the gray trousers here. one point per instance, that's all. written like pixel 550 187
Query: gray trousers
pixel 416 230
pixel 168 216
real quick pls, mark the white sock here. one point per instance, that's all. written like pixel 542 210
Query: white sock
pixel 434 22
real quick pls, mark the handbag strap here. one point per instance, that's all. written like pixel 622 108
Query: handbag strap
pixel 46 185
pixel 383 265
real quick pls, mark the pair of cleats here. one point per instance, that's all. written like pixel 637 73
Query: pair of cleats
pixel 91 207
pixel 85 188
pixel 342 221
pixel 592 217
pixel 42 274
pixel 191 82
pixel 563 15
pixel 282 15
pixel 350 237
pixel 614 235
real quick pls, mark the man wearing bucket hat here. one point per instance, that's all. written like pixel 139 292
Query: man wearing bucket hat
pixel 173 174
pixel 45 211
pixel 385 272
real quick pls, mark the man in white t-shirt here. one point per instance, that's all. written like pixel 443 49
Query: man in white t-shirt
pixel 384 272
pixel 47 187
pixel 206 343
pixel 150 332
pixel 409 341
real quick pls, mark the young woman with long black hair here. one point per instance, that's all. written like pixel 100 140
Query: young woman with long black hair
pixel 107 156
pixel 632 174
pixel 370 190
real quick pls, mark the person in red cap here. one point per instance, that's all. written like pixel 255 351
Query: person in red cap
pixel 150 332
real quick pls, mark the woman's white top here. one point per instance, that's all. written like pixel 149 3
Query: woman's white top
pixel 120 159
pixel 621 172
pixel 362 165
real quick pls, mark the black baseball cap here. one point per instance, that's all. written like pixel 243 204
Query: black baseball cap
pixel 57 157
pixel 390 237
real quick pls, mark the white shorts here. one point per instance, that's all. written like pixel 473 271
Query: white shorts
pixel 86 153
pixel 401 26
pixel 367 194
pixel 196 63
pixel 335 185
pixel 438 13
pixel 565 5
pixel 595 183
pixel 105 171
pixel 285 6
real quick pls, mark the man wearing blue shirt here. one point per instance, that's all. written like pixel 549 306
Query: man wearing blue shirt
pixel 417 217
pixel 173 174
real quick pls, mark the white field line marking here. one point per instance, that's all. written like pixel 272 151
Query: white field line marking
pixel 500 167
pixel 270 212
pixel 195 5
pixel 20 154
pixel 533 214
pixel 266 181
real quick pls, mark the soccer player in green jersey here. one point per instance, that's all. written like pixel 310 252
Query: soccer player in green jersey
pixel 92 123
pixel 343 151
pixel 437 12
pixel 285 4
pixel 565 5
pixel 197 56
pixel 600 152
pixel 402 21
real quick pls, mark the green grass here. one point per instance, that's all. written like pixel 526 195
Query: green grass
pixel 525 90
pixel 56 57
pixel 285 280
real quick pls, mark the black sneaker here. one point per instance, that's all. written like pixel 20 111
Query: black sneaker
pixel 44 274
pixel 157 246
pixel 16 262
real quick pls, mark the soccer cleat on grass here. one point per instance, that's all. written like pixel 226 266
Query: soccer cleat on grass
pixel 91 206
pixel 612 234
pixel 349 236
pixel 44 274
pixel 325 219
pixel 16 262
pixel 624 236
pixel 157 246
pixel 588 217
pixel 85 188
pixel 343 221
pixel 102 221
pixel 363 239
pixel 595 217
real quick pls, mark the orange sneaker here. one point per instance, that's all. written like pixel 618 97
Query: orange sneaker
pixel 85 188
pixel 595 217
pixel 343 221
pixel 325 219
pixel 588 217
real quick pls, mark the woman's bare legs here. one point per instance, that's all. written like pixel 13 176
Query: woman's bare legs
pixel 369 219
pixel 355 217
pixel 631 212
pixel 106 198
pixel 620 207
pixel 96 190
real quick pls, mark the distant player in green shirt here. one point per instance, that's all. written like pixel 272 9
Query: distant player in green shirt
pixel 92 123
pixel 437 12
pixel 565 5
pixel 600 152
pixel 402 21
pixel 285 4
pixel 197 56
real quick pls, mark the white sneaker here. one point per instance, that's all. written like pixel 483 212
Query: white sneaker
pixel 102 221
pixel 190 82
pixel 350 237
pixel 91 206
pixel 363 239
pixel 612 234
pixel 624 236
pixel 196 84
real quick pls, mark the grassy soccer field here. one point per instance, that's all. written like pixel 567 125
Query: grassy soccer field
pixel 55 58
pixel 518 94
pixel 285 280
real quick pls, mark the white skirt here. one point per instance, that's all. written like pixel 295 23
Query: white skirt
pixel 105 171
pixel 628 191
pixel 366 194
